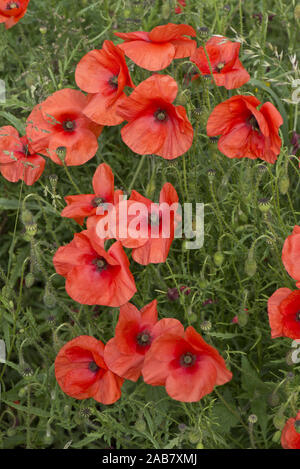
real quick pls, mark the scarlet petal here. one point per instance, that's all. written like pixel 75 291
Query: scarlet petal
pixel 108 390
pixel 101 111
pixel 275 318
pixel 148 55
pixel 291 254
pixel 170 31
pixel 81 147
pixel 103 182
pixel 126 365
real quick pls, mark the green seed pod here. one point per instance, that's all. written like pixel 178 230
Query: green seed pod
pixel 48 439
pixel 218 258
pixel 199 445
pixel 181 99
pixel 211 174
pixel 284 184
pixel 264 205
pixel 29 280
pixel 279 420
pixel 43 30
pixel 31 230
pixel 203 283
pixel 206 326
pixel 11 432
pixel 61 153
pixel 49 299
pixel 252 419
pixel 193 317
pixel 250 266
pixel 53 178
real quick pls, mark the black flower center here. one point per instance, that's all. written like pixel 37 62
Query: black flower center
pixel 100 263
pixel 220 66
pixel 160 115
pixel 298 316
pixel 143 338
pixel 69 125
pixel 187 359
pixel 93 367
pixel 12 5
pixel 113 81
pixel 254 124
pixel 97 201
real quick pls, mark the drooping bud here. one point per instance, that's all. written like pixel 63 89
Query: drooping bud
pixel 29 280
pixel 27 217
pixel 218 258
pixel 284 184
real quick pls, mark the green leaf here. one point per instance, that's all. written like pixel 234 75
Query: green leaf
pixel 17 123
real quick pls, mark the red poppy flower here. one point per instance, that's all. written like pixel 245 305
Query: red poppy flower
pixel 290 436
pixel 12 11
pixel 246 132
pixel 135 331
pixel 17 161
pixel 103 74
pixel 186 365
pixel 291 255
pixel 224 61
pixel 155 50
pixel 95 276
pixel 85 205
pixel 149 227
pixel 178 8
pixel 59 124
pixel 155 125
pixel 284 313
pixel 81 371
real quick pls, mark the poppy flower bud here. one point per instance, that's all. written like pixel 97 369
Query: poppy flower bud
pixel 182 99
pixel 218 258
pixel 242 318
pixel 22 392
pixel 193 317
pixel 61 153
pixel 284 184
pixel 203 31
pixel 203 283
pixel 194 436
pixel 297 12
pixel 276 436
pixel 29 280
pixel 11 432
pixel 279 420
pixel 140 425
pixel 27 217
pixel 250 265
pixel 273 399
pixel 199 445
pixel 165 10
pixel 288 358
pixel 49 299
pixel 211 174
pixel 43 30
pixel 264 205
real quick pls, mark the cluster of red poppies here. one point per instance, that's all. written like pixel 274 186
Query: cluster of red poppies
pixel 161 351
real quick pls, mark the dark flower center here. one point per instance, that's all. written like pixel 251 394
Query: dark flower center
pixel 160 115
pixel 97 201
pixel 298 316
pixel 113 81
pixel 187 359
pixel 69 125
pixel 100 263
pixel 254 124
pixel 12 5
pixel 25 150
pixel 93 367
pixel 220 66
pixel 143 338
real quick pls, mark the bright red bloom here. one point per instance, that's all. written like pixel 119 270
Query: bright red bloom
pixel 155 50
pixel 81 371
pixel 150 227
pixel 284 313
pixel 290 437
pixel 85 205
pixel 135 331
pixel 17 160
pixel 246 132
pixel 95 276
pixel 59 123
pixel 178 8
pixel 224 61
pixel 186 365
pixel 103 74
pixel 155 125
pixel 12 11
pixel 291 255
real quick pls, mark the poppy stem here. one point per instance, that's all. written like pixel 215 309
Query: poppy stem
pixel 71 179
pixel 137 171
